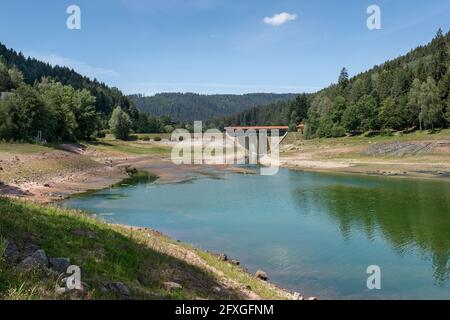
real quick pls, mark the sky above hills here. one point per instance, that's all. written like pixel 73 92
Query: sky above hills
pixel 219 46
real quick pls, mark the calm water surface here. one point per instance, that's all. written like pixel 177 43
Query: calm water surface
pixel 312 233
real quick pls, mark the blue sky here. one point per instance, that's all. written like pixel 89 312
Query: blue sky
pixel 219 46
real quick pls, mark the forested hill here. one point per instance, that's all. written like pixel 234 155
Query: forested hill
pixel 34 70
pixel 407 93
pixel 41 102
pixel 188 107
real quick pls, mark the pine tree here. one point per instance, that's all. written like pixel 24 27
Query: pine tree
pixel 343 79
pixel 444 86
pixel 440 56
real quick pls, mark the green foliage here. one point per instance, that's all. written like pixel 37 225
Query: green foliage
pixel 189 107
pixel 33 71
pixel 78 107
pixel 325 127
pixel 3 246
pixel 16 77
pixel 440 56
pixel 337 131
pixel 350 119
pixel 22 114
pixel 343 79
pixel 414 104
pixel 298 111
pixel 447 113
pixel 432 110
pixel 391 114
pixel 120 124
pixel 338 109
pixel 273 114
pixel 85 114
pixel 361 116
pixel 5 78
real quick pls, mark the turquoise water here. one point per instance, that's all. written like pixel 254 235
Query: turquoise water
pixel 312 233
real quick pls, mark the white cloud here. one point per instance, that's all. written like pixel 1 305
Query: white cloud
pixel 79 66
pixel 280 19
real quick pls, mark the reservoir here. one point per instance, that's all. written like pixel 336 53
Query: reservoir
pixel 312 233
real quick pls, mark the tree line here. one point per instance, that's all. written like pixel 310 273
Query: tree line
pixel 190 107
pixel 290 112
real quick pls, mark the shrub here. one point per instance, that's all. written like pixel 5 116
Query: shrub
pixel 120 124
pixel 337 131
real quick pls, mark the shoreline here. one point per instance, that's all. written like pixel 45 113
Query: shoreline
pixel 100 171
pixel 113 171
pixel 110 175
pixel 359 171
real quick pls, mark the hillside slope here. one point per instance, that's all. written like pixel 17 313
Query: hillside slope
pixel 34 70
pixel 188 107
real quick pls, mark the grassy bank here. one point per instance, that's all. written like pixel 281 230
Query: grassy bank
pixel 417 154
pixel 115 147
pixel 140 259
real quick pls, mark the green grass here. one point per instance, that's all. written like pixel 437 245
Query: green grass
pixel 22 148
pixel 141 136
pixel 129 147
pixel 109 254
pixel 358 140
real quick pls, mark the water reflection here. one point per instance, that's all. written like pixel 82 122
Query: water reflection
pixel 414 216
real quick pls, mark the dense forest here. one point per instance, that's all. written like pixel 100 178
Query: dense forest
pixel 58 104
pixel 290 112
pixel 407 93
pixel 189 107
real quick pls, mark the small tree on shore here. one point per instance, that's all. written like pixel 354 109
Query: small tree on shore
pixel 413 110
pixel 120 124
pixel 431 104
